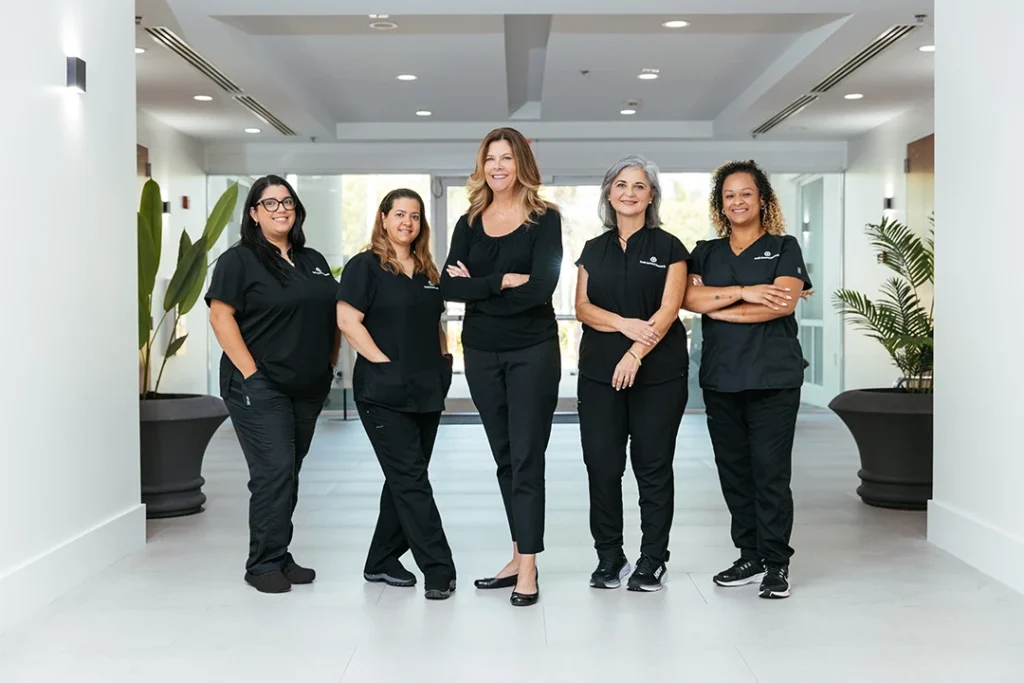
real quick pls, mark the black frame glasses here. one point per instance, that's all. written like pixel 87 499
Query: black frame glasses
pixel 271 204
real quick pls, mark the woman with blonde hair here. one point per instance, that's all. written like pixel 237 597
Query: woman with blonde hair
pixel 389 309
pixel 746 284
pixel 504 263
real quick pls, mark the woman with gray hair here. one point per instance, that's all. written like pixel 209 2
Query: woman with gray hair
pixel 632 369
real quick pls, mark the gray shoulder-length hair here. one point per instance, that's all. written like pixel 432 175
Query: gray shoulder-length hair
pixel 605 211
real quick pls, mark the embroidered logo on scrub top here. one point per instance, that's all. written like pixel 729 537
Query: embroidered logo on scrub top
pixel 429 286
pixel 767 256
pixel 317 271
pixel 653 261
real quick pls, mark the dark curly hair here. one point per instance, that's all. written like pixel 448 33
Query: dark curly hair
pixel 772 219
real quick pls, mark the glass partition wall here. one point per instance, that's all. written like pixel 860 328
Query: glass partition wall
pixel 340 215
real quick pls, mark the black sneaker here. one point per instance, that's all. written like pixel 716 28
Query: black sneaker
pixel 394 575
pixel 610 572
pixel 298 574
pixel 775 584
pixel 648 575
pixel 440 591
pixel 269 582
pixel 741 573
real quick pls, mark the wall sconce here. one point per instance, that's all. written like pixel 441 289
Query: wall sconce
pixel 888 204
pixel 167 207
pixel 76 74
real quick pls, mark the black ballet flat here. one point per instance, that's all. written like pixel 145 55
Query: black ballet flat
pixel 525 599
pixel 489 583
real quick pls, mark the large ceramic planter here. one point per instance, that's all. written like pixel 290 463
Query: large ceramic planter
pixel 893 431
pixel 175 431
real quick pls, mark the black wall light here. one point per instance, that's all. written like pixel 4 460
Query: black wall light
pixel 76 74
pixel 167 207
pixel 888 203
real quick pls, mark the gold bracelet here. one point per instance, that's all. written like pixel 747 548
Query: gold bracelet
pixel 636 358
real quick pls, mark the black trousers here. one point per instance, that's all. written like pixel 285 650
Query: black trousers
pixel 752 434
pixel 648 416
pixel 408 518
pixel 516 393
pixel 275 431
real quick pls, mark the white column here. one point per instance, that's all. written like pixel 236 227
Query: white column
pixel 69 403
pixel 976 512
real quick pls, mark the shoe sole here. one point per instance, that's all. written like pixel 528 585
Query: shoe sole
pixel 269 592
pixel 389 580
pixel 637 588
pixel 774 595
pixel 756 578
pixel 617 583
pixel 438 594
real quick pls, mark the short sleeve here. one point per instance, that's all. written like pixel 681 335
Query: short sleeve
pixel 676 251
pixel 358 284
pixel 695 259
pixel 586 258
pixel 228 282
pixel 791 261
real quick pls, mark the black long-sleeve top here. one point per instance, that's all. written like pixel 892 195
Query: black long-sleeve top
pixel 514 318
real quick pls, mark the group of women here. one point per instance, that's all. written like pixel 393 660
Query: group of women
pixel 279 315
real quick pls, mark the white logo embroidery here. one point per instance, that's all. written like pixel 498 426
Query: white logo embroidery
pixel 429 286
pixel 768 256
pixel 317 271
pixel 653 261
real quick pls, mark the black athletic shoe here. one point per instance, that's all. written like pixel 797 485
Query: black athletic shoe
pixel 741 573
pixel 298 574
pixel 610 572
pixel 394 575
pixel 440 591
pixel 775 584
pixel 648 576
pixel 269 582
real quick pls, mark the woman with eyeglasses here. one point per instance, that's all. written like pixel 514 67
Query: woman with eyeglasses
pixel 272 309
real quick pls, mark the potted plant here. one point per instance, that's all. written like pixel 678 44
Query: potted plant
pixel 175 429
pixel 893 426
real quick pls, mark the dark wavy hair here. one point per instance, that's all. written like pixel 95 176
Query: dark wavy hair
pixel 252 235
pixel 772 220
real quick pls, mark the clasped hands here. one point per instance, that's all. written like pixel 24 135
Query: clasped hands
pixel 508 280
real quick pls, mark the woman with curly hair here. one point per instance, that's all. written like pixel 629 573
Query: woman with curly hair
pixel 504 263
pixel 389 309
pixel 746 285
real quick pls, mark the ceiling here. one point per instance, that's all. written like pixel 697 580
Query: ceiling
pixel 560 69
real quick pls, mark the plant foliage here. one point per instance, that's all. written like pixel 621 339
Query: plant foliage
pixel 899 320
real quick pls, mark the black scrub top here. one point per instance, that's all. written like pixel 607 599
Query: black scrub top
pixel 630 283
pixel 742 356
pixel 288 328
pixel 402 315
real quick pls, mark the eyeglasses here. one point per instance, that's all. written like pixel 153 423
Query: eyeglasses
pixel 272 204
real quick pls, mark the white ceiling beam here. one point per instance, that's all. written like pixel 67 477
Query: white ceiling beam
pixel 536 130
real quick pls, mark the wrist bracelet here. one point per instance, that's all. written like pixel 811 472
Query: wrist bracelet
pixel 636 358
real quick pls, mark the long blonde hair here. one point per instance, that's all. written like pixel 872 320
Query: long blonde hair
pixel 528 177
pixel 381 246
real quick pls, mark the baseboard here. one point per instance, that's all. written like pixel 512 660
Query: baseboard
pixel 38 582
pixel 981 545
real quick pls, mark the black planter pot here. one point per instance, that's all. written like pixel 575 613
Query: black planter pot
pixel 893 431
pixel 175 430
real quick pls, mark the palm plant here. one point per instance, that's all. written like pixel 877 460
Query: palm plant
pixel 899 320
pixel 187 281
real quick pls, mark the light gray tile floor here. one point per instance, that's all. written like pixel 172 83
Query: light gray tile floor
pixel 872 599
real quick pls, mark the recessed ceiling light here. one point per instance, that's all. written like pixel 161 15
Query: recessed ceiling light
pixel 628 112
pixel 676 23
pixel 854 96
pixel 406 77
pixel 202 98
pixel 648 74
pixel 380 16
pixel 423 112
pixel 383 25
pixel 927 48
pixel 139 50
pixel 252 131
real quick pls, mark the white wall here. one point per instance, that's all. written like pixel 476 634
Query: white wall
pixel 976 512
pixel 874 172
pixel 178 166
pixel 69 460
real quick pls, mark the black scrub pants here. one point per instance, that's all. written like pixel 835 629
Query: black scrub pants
pixel 408 518
pixel 275 431
pixel 648 416
pixel 752 435
pixel 516 393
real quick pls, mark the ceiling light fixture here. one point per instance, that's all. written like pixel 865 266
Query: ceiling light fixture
pixel 423 112
pixel 927 48
pixel 406 77
pixel 380 16
pixel 649 74
pixel 854 96
pixel 383 25
pixel 675 23
pixel 139 50
pixel 252 131
pixel 202 98
pixel 627 112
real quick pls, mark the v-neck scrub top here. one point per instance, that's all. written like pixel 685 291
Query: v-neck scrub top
pixel 631 283
pixel 743 356
pixel 402 315
pixel 288 328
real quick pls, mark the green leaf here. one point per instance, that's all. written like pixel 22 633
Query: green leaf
pixel 184 278
pixel 197 289
pixel 183 244
pixel 152 207
pixel 145 320
pixel 148 259
pixel 175 346
pixel 220 215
